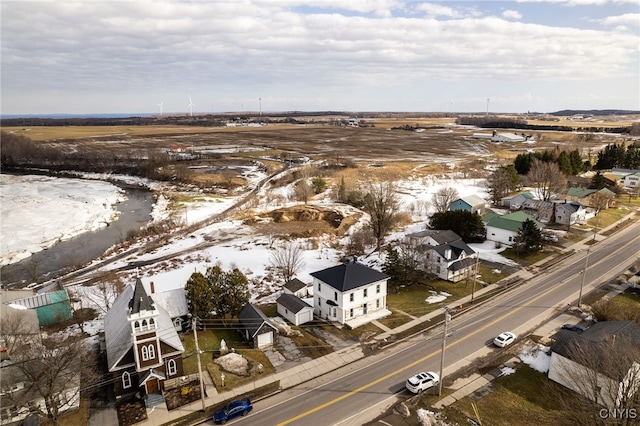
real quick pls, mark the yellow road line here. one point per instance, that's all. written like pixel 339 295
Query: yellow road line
pixel 426 357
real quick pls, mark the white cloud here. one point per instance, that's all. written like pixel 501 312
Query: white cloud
pixel 631 19
pixel 512 14
pixel 226 53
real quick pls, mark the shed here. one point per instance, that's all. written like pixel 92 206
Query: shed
pixel 296 287
pixel 52 307
pixel 255 327
pixel 294 309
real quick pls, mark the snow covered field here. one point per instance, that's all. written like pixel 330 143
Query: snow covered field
pixel 38 211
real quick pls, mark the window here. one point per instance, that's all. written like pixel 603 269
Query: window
pixel 152 351
pixel 351 312
pixel 171 367
pixel 136 326
pixel 377 288
pixel 126 380
pixel 351 297
pixel 365 292
pixel 377 303
pixel 318 286
pixel 335 296
pixel 145 353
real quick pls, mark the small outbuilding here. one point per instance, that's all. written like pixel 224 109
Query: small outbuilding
pixel 255 327
pixel 294 309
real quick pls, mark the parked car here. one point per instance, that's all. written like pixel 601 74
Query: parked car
pixel 574 327
pixel 422 381
pixel 233 409
pixel 504 339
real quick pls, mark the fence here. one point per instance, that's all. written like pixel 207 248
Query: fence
pixel 179 381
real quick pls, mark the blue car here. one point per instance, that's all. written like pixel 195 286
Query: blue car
pixel 233 409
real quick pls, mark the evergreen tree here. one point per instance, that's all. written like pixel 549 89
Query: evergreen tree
pixel 598 181
pixel 577 165
pixel 467 225
pixel 613 155
pixel 564 163
pixel 199 296
pixel 392 266
pixel 529 237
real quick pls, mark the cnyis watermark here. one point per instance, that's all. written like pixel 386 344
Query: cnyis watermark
pixel 618 413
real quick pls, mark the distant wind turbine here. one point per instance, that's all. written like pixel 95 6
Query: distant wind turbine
pixel 191 105
pixel 160 105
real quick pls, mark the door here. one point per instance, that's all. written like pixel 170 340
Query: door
pixel 152 386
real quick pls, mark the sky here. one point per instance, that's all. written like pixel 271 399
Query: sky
pixel 125 56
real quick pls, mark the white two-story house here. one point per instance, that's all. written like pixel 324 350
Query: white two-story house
pixel 351 294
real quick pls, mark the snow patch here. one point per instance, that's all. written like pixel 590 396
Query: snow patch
pixel 536 357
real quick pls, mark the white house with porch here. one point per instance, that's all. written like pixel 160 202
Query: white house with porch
pixel 350 294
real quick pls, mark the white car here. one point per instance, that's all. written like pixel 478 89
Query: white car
pixel 504 339
pixel 422 381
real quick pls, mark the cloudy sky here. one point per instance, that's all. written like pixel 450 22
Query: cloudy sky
pixel 114 56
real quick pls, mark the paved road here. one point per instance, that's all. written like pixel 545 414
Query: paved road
pixel 360 391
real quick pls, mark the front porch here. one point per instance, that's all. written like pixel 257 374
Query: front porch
pixel 356 322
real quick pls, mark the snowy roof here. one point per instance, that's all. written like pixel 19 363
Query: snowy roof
pixel 472 200
pixel 349 276
pixel 173 301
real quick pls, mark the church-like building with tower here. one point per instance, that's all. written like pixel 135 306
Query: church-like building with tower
pixel 142 344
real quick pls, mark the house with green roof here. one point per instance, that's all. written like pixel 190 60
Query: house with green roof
pixel 504 229
pixel 585 196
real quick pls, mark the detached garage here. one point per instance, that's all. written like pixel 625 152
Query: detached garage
pixel 255 327
pixel 293 309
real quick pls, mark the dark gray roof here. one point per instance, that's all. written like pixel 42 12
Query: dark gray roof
pixel 624 331
pixel 461 264
pixel 294 285
pixel 349 276
pixel 292 303
pixel 140 300
pixel 440 236
pixel 252 318
pixel 456 247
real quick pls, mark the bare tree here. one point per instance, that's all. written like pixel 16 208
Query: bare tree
pixel 16 328
pixel 53 371
pixel 604 378
pixel 443 198
pixel 381 202
pixel 287 260
pixel 104 293
pixel 546 179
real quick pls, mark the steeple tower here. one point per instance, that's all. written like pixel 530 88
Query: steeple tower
pixel 143 319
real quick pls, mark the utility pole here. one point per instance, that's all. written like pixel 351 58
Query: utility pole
pixel 447 318
pixel 195 338
pixel 584 273
pixel 475 275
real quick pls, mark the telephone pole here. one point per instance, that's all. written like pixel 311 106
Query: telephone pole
pixel 447 318
pixel 195 338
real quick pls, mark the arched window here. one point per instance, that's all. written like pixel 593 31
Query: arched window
pixel 152 324
pixel 145 353
pixel 171 367
pixel 145 325
pixel 136 326
pixel 126 380
pixel 152 351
